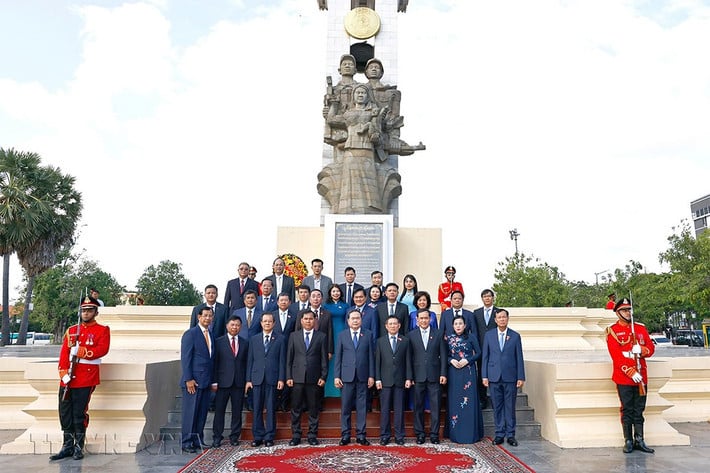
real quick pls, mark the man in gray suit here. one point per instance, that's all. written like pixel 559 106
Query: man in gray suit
pixel 306 372
pixel 318 280
pixel 354 373
pixel 393 374
pixel 429 372
pixel 485 319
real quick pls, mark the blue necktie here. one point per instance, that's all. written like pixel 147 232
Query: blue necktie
pixel 355 339
pixel 394 343
pixel 502 340
pixel 266 343
pixel 308 342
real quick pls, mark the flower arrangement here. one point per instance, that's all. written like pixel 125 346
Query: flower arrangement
pixel 295 267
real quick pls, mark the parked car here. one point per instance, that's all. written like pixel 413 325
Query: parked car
pixel 692 338
pixel 661 340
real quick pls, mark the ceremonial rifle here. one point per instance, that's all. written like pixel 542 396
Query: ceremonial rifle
pixel 73 359
pixel 637 356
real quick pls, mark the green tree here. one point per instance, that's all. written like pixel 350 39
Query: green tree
pixel 64 211
pixel 165 284
pixel 24 216
pixel 59 290
pixel 525 281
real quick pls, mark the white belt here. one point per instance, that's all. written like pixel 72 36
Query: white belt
pixel 89 362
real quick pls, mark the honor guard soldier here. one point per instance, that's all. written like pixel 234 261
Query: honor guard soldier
pixel 629 345
pixel 83 347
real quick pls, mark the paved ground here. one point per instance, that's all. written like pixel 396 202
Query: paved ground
pixel 540 455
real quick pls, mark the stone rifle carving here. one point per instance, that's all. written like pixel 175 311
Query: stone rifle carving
pixel 362 123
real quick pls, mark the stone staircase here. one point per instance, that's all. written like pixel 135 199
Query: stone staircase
pixel 329 425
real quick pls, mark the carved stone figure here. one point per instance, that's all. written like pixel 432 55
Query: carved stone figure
pixel 362 125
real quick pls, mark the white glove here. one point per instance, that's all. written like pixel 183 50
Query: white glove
pixel 74 350
pixel 628 354
pixel 637 378
pixel 636 349
pixel 66 378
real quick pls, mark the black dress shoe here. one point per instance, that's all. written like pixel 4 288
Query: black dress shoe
pixel 512 441
pixel 399 441
pixel 363 441
pixel 202 446
pixel 216 443
pixel 234 442
pixel 313 442
pixel 256 443
pixel 384 442
pixel 435 440
pixel 344 441
pixel 269 443
pixel 294 442
pixel 63 453
pixel 497 440
pixel 420 440
pixel 78 453
pixel 189 449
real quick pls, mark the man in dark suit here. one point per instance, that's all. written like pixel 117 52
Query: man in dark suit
pixel 284 324
pixel 219 311
pixel 196 356
pixel 376 280
pixel 322 322
pixel 503 371
pixel 234 295
pixel 370 319
pixel 230 361
pixel 250 315
pixel 347 289
pixel 306 372
pixel 446 324
pixel 485 319
pixel 392 306
pixel 393 374
pixel 267 300
pixel 317 280
pixel 429 373
pixel 303 293
pixel 354 373
pixel 266 363
pixel 282 282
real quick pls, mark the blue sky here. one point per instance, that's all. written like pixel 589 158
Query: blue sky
pixel 194 127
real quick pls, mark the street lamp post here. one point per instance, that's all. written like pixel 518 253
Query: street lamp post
pixel 596 276
pixel 514 236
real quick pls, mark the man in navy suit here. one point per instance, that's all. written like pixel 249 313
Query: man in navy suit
pixel 393 374
pixel 306 372
pixel 390 306
pixel 266 373
pixel 376 280
pixel 370 321
pixel 347 289
pixel 230 361
pixel 267 300
pixel 317 280
pixel 250 315
pixel 503 371
pixel 429 373
pixel 446 325
pixel 485 319
pixel 282 282
pixel 196 356
pixel 234 295
pixel 220 311
pixel 303 293
pixel 354 373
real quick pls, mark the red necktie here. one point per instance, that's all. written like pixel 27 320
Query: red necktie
pixel 234 346
pixel 241 286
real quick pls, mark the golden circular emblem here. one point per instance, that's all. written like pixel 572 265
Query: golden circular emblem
pixel 362 23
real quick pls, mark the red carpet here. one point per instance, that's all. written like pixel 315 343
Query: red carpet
pixel 331 458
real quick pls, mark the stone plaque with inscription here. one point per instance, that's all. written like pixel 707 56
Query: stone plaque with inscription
pixel 360 245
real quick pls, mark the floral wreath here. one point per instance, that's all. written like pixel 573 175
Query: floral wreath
pixel 295 267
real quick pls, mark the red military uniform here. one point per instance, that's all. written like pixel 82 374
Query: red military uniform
pixel 94 340
pixel 445 290
pixel 89 341
pixel 629 377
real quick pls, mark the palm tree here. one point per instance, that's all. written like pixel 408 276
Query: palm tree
pixel 64 202
pixel 38 213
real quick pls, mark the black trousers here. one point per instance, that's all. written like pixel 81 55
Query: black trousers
pixel 434 392
pixel 236 395
pixel 73 412
pixel 632 404
pixel 305 397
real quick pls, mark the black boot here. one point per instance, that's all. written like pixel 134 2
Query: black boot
pixel 639 444
pixel 67 448
pixel 78 453
pixel 628 436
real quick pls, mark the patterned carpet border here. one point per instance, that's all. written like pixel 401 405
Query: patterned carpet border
pixel 329 457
